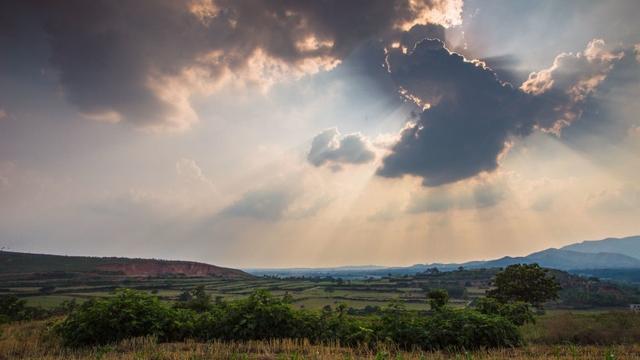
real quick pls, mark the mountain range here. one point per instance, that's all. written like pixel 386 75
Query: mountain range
pixel 610 253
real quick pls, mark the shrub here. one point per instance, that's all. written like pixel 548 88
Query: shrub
pixel 261 316
pixel 447 329
pixel 14 309
pixel 469 329
pixel 128 314
pixel 402 327
pixel 518 312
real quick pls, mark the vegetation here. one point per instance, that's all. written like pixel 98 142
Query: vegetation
pixel 518 312
pixel 525 283
pixel 33 340
pixel 394 315
pixel 362 296
pixel 262 316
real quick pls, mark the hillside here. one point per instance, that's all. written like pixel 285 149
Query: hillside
pixel 629 246
pixel 24 263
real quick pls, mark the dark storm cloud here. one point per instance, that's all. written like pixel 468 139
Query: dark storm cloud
pixel 116 59
pixel 473 115
pixel 330 147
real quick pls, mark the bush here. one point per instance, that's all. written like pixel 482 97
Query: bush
pixel 128 314
pixel 447 329
pixel 469 329
pixel 401 327
pixel 14 309
pixel 261 316
pixel 518 312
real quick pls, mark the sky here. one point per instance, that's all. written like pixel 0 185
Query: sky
pixel 287 133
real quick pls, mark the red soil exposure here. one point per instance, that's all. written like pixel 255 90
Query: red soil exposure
pixel 149 267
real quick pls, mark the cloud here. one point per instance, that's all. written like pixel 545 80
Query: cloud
pixel 141 62
pixel 470 117
pixel 189 170
pixel 573 78
pixel 483 195
pixel 330 147
pixel 623 199
pixel 269 205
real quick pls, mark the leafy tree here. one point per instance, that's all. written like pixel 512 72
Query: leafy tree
pixel 438 298
pixel 525 282
pixel 185 296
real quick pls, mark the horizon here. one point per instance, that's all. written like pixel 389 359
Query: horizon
pixel 284 135
pixel 346 266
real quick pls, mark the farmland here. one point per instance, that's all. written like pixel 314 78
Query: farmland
pixel 49 290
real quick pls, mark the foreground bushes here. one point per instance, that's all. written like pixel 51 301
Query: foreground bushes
pixel 261 316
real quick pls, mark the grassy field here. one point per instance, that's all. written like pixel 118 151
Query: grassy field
pixel 32 340
pixel 305 293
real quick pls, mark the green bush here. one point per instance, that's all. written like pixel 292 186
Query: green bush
pixel 14 309
pixel 261 316
pixel 469 329
pixel 518 312
pixel 447 329
pixel 126 315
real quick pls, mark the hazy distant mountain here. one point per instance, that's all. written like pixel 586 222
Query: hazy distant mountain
pixel 25 263
pixel 565 260
pixel 629 246
pixel 595 255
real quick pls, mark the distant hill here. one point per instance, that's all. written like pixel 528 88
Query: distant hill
pixel 565 260
pixel 629 246
pixel 612 254
pixel 25 263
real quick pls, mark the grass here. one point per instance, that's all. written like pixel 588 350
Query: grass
pixel 585 328
pixel 48 301
pixel 32 340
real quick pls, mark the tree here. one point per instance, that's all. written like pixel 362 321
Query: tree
pixel 185 296
pixel 525 282
pixel 196 299
pixel 438 298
